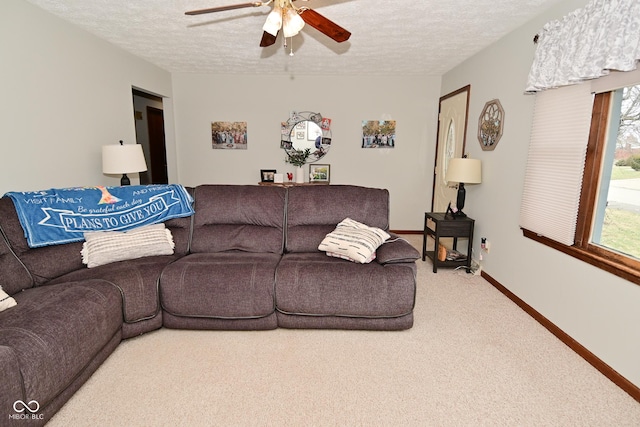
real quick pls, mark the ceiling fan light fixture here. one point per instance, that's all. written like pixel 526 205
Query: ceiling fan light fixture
pixel 274 21
pixel 292 23
pixel 287 17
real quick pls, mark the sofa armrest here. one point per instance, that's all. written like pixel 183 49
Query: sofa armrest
pixel 11 385
pixel 396 250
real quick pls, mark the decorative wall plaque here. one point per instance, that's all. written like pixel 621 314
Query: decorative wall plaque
pixel 490 125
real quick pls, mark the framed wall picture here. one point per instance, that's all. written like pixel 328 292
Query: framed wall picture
pixel 319 173
pixel 267 175
pixel 378 133
pixel 229 135
pixel 490 125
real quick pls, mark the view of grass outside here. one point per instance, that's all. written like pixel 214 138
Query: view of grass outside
pixel 621 227
pixel 618 226
pixel 624 172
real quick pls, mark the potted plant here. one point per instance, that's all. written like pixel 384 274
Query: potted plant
pixel 298 158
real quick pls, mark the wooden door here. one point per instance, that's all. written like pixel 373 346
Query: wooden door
pixel 452 131
pixel 157 146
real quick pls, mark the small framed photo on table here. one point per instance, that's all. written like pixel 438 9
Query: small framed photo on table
pixel 319 173
pixel 267 175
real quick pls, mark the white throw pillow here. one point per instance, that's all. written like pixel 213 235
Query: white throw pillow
pixel 104 247
pixel 353 241
pixel 6 301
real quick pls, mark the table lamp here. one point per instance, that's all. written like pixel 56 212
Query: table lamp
pixel 463 171
pixel 123 159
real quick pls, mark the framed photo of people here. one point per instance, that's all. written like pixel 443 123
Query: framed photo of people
pixel 229 135
pixel 378 133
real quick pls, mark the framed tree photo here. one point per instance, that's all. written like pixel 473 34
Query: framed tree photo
pixel 319 173
pixel 378 133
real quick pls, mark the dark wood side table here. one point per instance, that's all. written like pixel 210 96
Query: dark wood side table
pixel 438 225
pixel 290 184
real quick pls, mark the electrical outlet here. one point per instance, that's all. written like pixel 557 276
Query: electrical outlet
pixel 484 244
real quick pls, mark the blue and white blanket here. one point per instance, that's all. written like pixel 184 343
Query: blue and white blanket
pixel 59 216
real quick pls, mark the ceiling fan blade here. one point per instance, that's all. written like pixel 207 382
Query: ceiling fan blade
pixel 223 8
pixel 268 39
pixel 324 25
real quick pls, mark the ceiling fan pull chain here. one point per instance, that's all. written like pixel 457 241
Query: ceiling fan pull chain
pixel 291 43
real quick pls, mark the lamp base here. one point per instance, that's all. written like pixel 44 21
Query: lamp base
pixel 125 180
pixel 460 200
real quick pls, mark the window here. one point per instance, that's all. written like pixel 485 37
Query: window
pixel 449 150
pixel 607 219
pixel 616 216
pixel 609 214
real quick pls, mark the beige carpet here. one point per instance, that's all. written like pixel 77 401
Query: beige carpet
pixel 472 358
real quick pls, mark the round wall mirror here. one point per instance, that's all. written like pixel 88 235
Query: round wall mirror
pixel 307 130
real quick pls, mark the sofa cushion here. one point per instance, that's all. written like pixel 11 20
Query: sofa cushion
pixel 105 247
pixel 55 332
pixel 230 285
pixel 181 231
pixel 313 212
pixel 15 275
pixel 312 284
pixel 23 267
pixel 37 260
pixel 396 250
pixel 11 383
pixel 247 218
pixel 136 280
pixel 353 241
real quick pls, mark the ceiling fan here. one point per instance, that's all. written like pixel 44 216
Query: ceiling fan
pixel 287 17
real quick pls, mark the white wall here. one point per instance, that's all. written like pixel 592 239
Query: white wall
pixel 65 93
pixel 599 310
pixel 265 101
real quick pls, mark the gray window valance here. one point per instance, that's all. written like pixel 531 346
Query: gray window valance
pixel 587 44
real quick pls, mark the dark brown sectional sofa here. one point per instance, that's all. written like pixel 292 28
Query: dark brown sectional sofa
pixel 248 259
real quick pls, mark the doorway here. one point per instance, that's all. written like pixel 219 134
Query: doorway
pixel 450 142
pixel 149 123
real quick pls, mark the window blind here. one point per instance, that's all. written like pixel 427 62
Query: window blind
pixel 555 165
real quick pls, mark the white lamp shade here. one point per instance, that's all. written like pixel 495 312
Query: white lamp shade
pixel 465 170
pixel 292 24
pixel 274 21
pixel 127 158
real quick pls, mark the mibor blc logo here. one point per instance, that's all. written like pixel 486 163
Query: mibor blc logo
pixel 26 411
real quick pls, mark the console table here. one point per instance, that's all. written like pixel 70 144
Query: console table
pixel 447 226
pixel 290 183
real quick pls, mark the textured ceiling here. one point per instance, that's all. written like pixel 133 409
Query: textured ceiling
pixel 389 37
